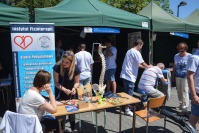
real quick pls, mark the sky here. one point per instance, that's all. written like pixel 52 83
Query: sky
pixel 184 11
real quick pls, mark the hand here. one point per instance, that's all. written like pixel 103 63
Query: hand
pixel 47 88
pixel 165 83
pixel 73 92
pixel 67 91
pixel 195 99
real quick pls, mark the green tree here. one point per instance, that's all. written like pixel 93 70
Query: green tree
pixel 31 4
pixel 135 6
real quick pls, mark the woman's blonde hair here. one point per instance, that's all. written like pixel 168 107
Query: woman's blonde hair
pixel 70 56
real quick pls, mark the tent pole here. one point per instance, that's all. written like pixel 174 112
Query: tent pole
pixel 151 37
pixel 150 47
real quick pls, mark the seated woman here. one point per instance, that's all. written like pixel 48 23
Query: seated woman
pixel 33 103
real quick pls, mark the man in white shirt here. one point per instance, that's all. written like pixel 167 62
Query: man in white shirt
pixel 149 78
pixel 110 55
pixel 84 61
pixel 193 83
pixel 132 61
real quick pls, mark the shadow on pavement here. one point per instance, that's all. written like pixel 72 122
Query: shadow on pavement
pixel 88 127
pixel 152 129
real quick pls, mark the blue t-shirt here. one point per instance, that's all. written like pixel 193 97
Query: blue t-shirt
pixel 181 65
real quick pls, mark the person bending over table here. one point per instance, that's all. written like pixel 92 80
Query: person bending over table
pixel 149 78
pixel 33 103
pixel 66 78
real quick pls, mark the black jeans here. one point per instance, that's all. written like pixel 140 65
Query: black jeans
pixel 50 123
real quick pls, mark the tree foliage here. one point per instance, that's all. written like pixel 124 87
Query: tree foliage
pixel 31 4
pixel 135 6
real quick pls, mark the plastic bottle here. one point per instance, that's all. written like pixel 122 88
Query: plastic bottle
pixel 85 95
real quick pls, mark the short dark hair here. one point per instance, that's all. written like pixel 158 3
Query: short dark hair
pixel 82 46
pixel 183 43
pixel 42 77
pixel 107 41
pixel 139 41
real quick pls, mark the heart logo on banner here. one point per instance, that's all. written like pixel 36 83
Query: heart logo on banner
pixel 23 41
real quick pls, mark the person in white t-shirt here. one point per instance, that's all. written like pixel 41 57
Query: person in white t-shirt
pixel 84 61
pixel 149 78
pixel 193 83
pixel 110 55
pixel 132 61
pixel 33 103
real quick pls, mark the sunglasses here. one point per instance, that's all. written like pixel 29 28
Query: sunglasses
pixel 67 53
pixel 66 62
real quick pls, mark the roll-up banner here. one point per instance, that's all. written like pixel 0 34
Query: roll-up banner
pixel 33 48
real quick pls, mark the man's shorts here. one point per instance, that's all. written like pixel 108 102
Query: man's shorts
pixel 110 74
pixel 194 107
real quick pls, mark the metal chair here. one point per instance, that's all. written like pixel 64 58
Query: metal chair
pixel 150 115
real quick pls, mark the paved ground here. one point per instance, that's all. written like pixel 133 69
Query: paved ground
pixel 112 121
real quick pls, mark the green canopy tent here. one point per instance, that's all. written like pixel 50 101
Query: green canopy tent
pixel 90 13
pixel 165 22
pixel 194 17
pixel 12 14
pixel 162 22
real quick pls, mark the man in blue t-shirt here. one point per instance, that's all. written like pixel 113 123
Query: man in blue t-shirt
pixel 180 71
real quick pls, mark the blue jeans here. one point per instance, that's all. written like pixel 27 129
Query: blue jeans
pixel 85 81
pixel 194 107
pixel 128 87
pixel 110 74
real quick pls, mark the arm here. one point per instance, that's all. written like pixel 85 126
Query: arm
pixel 51 106
pixel 163 80
pixel 144 65
pixel 108 52
pixel 190 79
pixel 76 84
pixel 58 85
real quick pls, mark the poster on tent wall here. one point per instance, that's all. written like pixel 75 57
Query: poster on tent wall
pixel 33 48
pixel 132 37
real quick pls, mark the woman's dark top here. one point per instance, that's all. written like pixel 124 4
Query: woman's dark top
pixel 65 81
pixel 3 74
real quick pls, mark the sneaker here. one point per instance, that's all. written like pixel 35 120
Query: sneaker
pixel 179 108
pixel 74 131
pixel 129 113
pixel 184 111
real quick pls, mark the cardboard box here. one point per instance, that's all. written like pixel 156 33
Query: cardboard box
pixel 83 104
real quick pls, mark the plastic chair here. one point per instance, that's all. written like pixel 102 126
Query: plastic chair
pixel 150 115
pixel 20 123
pixel 80 92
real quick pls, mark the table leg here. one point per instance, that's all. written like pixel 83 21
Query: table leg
pixel 59 121
pixel 96 122
pixel 133 119
pixel 120 126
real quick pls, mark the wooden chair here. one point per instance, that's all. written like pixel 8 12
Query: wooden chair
pixel 150 115
pixel 80 92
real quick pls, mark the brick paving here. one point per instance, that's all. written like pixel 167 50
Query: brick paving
pixel 112 121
